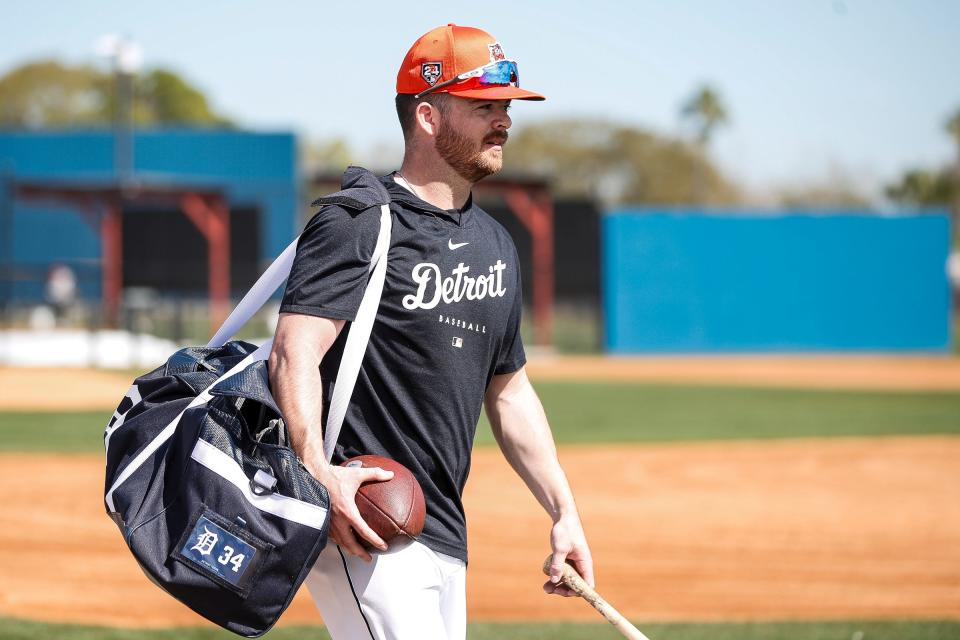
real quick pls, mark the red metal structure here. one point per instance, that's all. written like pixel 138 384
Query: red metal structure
pixel 530 201
pixel 101 206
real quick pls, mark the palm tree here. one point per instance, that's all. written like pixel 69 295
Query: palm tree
pixel 707 111
pixel 953 128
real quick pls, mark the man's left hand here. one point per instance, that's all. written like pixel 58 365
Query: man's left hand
pixel 568 543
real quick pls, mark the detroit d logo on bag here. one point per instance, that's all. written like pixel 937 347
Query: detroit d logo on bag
pixel 431 72
pixel 205 542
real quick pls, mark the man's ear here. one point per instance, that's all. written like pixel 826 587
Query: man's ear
pixel 427 118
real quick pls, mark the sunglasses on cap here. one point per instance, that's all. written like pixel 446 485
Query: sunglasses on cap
pixel 500 73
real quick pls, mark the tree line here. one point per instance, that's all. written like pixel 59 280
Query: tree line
pixel 47 94
pixel 593 158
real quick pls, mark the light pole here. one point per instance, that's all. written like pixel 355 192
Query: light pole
pixel 126 57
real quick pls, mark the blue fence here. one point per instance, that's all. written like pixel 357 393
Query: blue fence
pixel 683 282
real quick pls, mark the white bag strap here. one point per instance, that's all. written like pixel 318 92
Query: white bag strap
pixel 358 337
pixel 257 296
pixel 360 329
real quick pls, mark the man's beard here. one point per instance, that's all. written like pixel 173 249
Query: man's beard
pixel 462 154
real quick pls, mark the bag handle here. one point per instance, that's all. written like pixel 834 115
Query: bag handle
pixel 262 353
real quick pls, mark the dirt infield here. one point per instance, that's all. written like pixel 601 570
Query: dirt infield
pixel 29 389
pixel 864 528
pixel 42 389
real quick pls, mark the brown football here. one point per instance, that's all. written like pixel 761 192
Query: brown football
pixel 393 508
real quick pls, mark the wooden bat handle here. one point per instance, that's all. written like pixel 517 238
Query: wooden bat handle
pixel 577 584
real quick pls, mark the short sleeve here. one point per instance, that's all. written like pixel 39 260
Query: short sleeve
pixel 512 355
pixel 331 267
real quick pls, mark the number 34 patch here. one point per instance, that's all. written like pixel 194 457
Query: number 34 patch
pixel 214 550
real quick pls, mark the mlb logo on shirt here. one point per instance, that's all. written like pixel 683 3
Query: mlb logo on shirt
pixel 458 342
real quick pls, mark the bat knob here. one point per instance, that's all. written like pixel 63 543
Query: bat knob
pixel 547 563
pixel 567 569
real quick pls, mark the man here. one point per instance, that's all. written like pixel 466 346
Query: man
pixel 445 342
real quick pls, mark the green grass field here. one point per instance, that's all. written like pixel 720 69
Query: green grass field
pixel 11 629
pixel 602 413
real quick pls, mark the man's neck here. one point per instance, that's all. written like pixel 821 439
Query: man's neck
pixel 436 183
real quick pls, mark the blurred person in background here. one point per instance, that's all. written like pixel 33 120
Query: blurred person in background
pixel 60 290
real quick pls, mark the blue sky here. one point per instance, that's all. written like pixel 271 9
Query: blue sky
pixel 813 86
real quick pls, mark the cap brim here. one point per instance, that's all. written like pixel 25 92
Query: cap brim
pixel 497 93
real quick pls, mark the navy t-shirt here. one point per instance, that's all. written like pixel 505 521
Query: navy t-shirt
pixel 449 320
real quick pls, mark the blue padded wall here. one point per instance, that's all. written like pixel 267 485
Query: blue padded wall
pixel 684 281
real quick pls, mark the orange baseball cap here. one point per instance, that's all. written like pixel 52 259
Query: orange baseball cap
pixel 442 54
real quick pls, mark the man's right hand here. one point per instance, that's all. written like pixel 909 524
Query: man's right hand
pixel 346 523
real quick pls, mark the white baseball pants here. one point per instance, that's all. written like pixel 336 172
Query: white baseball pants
pixel 411 594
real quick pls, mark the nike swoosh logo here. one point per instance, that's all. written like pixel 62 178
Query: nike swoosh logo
pixel 456 246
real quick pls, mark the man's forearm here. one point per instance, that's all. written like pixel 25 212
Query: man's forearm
pixel 523 433
pixel 521 429
pixel 296 386
pixel 299 346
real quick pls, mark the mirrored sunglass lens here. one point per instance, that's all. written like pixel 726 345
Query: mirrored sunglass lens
pixel 503 72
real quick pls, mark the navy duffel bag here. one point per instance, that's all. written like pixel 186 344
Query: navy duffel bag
pixel 215 506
